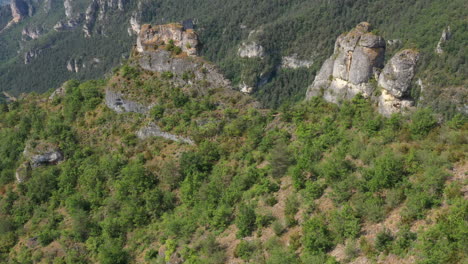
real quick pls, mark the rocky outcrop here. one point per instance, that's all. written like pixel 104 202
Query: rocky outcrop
pixel 98 10
pixel 395 81
pixel 68 24
pixel 116 102
pixel 68 8
pixel 251 50
pixel 74 65
pixel 355 68
pixel 37 154
pixel 153 130
pixel 29 33
pixel 446 35
pixel 397 75
pixel 293 62
pixel 29 56
pixel 357 58
pixel 59 92
pixel 154 37
pixel 19 10
pixel 162 61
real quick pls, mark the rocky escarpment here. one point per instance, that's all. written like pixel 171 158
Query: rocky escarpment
pixel 293 62
pixel 355 68
pixel 151 38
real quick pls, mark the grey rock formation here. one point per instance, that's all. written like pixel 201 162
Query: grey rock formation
pixel 397 75
pixel 446 35
pixel 31 33
pixel 74 65
pixel 67 4
pixel 153 130
pixel 293 62
pixel 356 68
pixel 162 61
pixel 47 158
pixel 59 92
pixel 23 172
pixel 29 56
pixel 357 58
pixel 116 102
pixel 68 24
pixel 251 49
pixel 37 154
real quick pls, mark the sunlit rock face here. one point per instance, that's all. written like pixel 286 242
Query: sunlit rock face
pixel 357 67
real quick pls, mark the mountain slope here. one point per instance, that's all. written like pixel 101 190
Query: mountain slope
pixel 158 166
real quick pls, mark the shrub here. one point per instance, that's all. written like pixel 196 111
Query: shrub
pixel 244 250
pixel 245 220
pixel 387 171
pixel 383 240
pixel 316 236
pixel 422 122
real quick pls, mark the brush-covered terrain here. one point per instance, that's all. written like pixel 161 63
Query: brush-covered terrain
pixel 310 183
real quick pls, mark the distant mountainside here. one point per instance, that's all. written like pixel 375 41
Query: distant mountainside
pixel 272 49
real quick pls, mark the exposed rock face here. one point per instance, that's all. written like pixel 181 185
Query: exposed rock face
pixel 446 35
pixel 395 81
pixel 37 154
pixel 47 158
pixel 251 50
pixel 23 172
pixel 68 24
pixel 162 61
pixel 74 65
pixel 31 55
pixel 397 75
pixel 31 33
pixel 59 92
pixel 293 62
pixel 116 102
pixel 150 37
pixel 245 88
pixel 68 9
pixel 97 11
pixel 153 130
pixel 355 68
pixel 357 58
pixel 19 9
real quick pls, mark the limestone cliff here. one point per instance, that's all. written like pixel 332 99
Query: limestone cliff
pixel 153 37
pixel 355 68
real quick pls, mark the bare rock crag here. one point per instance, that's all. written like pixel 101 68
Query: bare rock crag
pixel 357 67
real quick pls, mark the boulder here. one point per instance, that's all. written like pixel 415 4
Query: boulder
pixel 397 75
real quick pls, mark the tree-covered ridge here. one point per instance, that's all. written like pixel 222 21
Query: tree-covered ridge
pixel 312 183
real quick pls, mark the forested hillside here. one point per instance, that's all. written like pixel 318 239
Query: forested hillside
pixel 303 30
pixel 312 183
